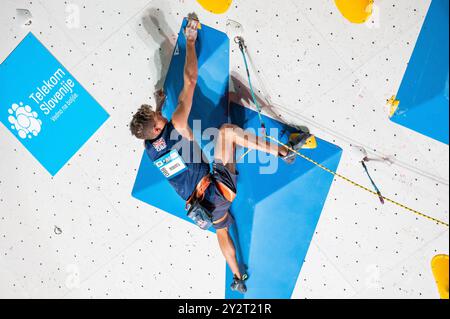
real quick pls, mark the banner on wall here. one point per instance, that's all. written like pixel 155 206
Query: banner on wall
pixel 44 106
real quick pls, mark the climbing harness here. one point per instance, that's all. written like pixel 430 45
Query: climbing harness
pixel 240 41
pixel 197 211
pixel 201 215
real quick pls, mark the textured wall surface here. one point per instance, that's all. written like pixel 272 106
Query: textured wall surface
pixel 313 65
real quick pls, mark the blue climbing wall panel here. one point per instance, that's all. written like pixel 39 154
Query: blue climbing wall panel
pixel 210 105
pixel 276 214
pixel 423 94
pixel 211 94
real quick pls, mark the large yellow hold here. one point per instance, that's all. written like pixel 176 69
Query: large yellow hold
pixel 215 6
pixel 439 264
pixel 355 11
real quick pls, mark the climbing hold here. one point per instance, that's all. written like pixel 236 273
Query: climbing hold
pixel 393 105
pixel 439 265
pixel 215 6
pixel 355 11
pixel 310 143
pixel 24 17
pixel 234 29
pixel 193 16
pixel 57 230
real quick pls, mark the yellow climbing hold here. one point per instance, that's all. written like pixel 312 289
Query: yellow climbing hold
pixel 393 105
pixel 215 6
pixel 355 11
pixel 439 265
pixel 310 143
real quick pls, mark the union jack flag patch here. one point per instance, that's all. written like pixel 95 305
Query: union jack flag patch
pixel 159 144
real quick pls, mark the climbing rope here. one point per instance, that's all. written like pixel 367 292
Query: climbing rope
pixel 243 48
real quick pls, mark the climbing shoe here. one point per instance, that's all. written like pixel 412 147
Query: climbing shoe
pixel 239 284
pixel 297 141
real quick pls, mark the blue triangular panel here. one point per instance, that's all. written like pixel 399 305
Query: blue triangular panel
pixel 276 214
pixel 210 106
pixel 211 94
pixel 423 94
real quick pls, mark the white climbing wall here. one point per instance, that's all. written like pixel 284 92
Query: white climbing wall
pixel 315 67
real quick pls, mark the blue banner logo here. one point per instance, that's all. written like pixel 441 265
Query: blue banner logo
pixel 44 106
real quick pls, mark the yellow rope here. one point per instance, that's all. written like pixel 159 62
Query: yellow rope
pixel 245 154
pixel 356 184
pixel 242 47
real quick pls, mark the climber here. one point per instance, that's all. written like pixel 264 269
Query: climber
pixel 172 148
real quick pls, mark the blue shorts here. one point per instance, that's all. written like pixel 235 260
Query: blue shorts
pixel 220 206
